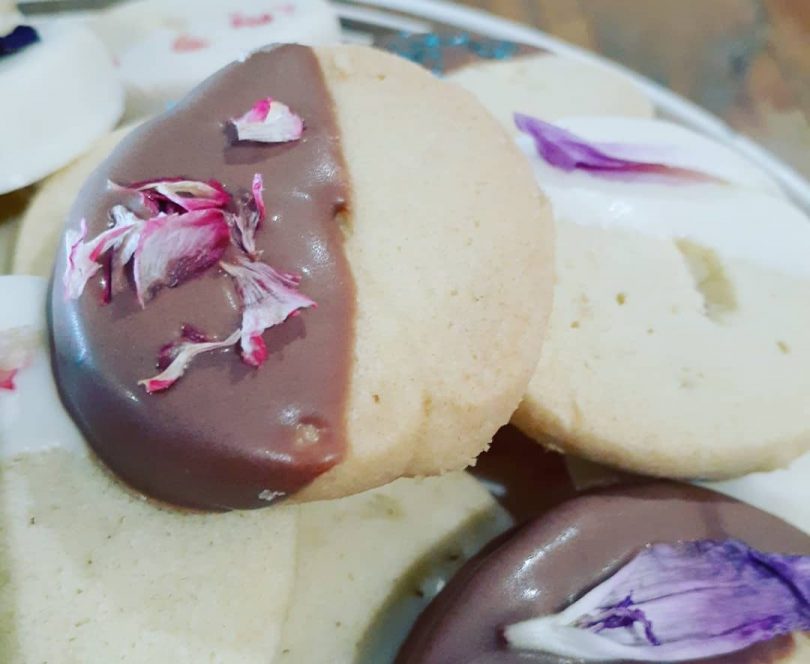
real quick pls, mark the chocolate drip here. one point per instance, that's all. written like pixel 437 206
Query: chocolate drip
pixel 541 567
pixel 226 435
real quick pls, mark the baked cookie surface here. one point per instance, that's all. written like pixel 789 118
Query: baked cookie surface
pixel 675 346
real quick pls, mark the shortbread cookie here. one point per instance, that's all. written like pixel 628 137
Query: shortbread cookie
pixel 368 564
pixel 166 47
pixel 64 88
pixel 552 86
pixel 677 342
pixel 42 224
pixel 418 254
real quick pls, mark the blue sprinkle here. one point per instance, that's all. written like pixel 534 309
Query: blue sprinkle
pixel 18 39
pixel 429 49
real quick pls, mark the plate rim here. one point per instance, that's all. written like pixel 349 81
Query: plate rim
pixel 682 110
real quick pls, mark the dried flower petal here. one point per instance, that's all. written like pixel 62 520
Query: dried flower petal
pixel 19 38
pixel 268 298
pixel 182 352
pixel 258 190
pixel 248 217
pixel 84 258
pixel 269 121
pixel 175 247
pixel 568 152
pixel 676 602
pixel 17 347
pixel 188 195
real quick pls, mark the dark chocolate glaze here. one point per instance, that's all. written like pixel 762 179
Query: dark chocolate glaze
pixel 225 432
pixel 446 51
pixel 527 479
pixel 548 563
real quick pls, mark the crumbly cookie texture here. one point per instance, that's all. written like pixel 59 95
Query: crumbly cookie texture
pixel 451 247
pixel 676 344
pixel 550 87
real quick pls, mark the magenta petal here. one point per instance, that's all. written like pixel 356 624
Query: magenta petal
pixel 268 298
pixel 174 248
pixel 190 195
pixel 258 189
pixel 181 353
pixel 568 152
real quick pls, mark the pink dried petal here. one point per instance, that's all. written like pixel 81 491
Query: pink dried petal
pixel 183 352
pixel 269 121
pixel 268 298
pixel 175 247
pixel 84 258
pixel 189 43
pixel 17 347
pixel 189 195
pixel 7 379
pixel 240 20
pixel 258 199
pixel 247 219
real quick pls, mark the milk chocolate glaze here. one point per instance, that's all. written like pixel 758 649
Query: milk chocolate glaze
pixel 226 435
pixel 544 565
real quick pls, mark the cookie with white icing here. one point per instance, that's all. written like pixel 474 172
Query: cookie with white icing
pixel 166 47
pixel 551 86
pixel 676 344
pixel 66 94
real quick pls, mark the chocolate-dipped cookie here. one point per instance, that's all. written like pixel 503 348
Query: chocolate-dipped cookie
pixel 347 306
pixel 542 567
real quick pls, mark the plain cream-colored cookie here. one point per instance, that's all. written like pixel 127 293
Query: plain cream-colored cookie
pixel 368 565
pixel 443 334
pixel 551 86
pixel 41 227
pixel 677 343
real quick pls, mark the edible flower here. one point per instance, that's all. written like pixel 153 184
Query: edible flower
pixel 175 247
pixel 187 195
pixel 83 258
pixel 562 149
pixel 677 602
pixel 17 347
pixel 268 298
pixel 175 357
pixel 248 217
pixel 269 121
pixel 19 38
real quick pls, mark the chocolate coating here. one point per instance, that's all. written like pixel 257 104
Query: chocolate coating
pixel 543 566
pixel 225 433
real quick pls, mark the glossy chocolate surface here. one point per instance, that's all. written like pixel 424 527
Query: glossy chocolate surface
pixel 226 435
pixel 543 566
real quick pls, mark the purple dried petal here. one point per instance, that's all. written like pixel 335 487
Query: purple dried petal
pixel 19 38
pixel 675 602
pixel 564 150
